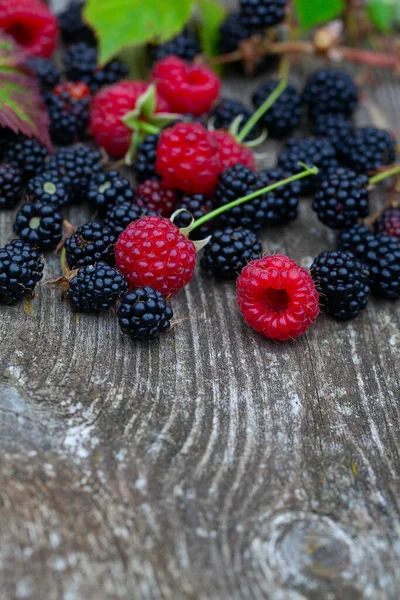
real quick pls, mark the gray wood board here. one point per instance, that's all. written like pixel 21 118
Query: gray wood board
pixel 211 463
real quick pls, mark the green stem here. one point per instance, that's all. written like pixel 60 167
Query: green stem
pixel 381 176
pixel 260 112
pixel 214 213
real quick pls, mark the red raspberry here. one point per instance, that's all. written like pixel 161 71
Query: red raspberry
pixel 153 195
pixel 31 23
pixel 109 105
pixel 232 152
pixel 77 90
pixel 187 88
pixel 389 222
pixel 188 158
pixel 152 251
pixel 277 297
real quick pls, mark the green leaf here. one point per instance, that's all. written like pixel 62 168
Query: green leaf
pixel 21 105
pixel 211 14
pixel 122 23
pixel 315 12
pixel 382 13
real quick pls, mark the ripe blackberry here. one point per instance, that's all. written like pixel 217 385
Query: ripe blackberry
pixel 389 222
pixel 73 28
pixel 350 238
pixel 381 255
pixel 367 149
pixel 341 198
pixel 108 187
pixel 80 62
pixel 230 250
pixel 330 91
pixel 282 203
pixel 46 72
pixel 284 115
pixel 27 154
pixel 336 128
pixel 91 243
pixel 185 45
pixel 10 185
pixel 20 270
pixel 96 288
pixel 342 283
pixel 196 206
pixel 40 225
pixel 48 189
pixel 232 31
pixel 259 14
pixel 144 314
pixel 226 112
pixel 155 196
pixel 236 182
pixel 119 216
pixel 69 116
pixel 312 152
pixel 146 156
pixel 76 164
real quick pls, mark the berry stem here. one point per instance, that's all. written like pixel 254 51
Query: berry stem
pixel 260 112
pixel 221 209
pixel 381 176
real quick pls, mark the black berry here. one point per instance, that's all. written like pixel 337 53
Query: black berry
pixel 10 185
pixel 259 14
pixel 281 204
pixel 40 225
pixel 284 114
pixel 144 314
pixel 107 188
pixel 91 243
pixel 96 288
pixel 330 91
pixel 368 149
pixel 48 189
pixel 20 270
pixel 28 154
pixel 145 161
pixel 230 250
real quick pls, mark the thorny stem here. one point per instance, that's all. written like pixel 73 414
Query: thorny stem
pixel 381 176
pixel 218 211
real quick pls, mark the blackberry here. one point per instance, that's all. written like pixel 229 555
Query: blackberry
pixel 7 138
pixel 381 254
pixel 80 62
pixel 232 31
pixel 259 14
pixel 106 188
pixel 282 203
pixel 91 243
pixel 69 117
pixel 20 270
pixel 10 185
pixel 145 161
pixel 46 72
pixel 144 314
pixel 330 91
pixel 226 112
pixel 76 164
pixel 312 152
pixel 119 216
pixel 196 206
pixel 350 238
pixel 342 283
pixel 367 149
pixel 284 115
pixel 185 45
pixel 233 183
pixel 96 288
pixel 153 195
pixel 48 189
pixel 230 250
pixel 40 225
pixel 334 127
pixel 389 222
pixel 73 28
pixel 342 198
pixel 27 154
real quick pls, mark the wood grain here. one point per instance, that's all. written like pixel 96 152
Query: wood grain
pixel 211 464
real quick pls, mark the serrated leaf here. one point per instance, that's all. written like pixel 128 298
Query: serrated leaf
pixel 211 14
pixel 382 13
pixel 122 23
pixel 315 12
pixel 21 106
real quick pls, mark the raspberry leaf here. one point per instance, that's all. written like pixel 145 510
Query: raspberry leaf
pixel 315 12
pixel 21 106
pixel 383 14
pixel 211 16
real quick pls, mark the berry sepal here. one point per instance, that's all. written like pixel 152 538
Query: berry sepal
pixel 198 244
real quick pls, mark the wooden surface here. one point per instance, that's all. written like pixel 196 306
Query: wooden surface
pixel 211 464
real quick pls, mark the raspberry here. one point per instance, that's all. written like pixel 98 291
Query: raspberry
pixel 284 115
pixel 91 243
pixel 146 156
pixel 334 127
pixel 230 250
pixel 188 158
pixel 330 91
pixel 281 204
pixel 226 112
pixel 81 65
pixel 144 314
pixel 46 72
pixel 108 188
pixel 232 31
pixel 20 270
pixel 277 297
pixel 76 165
pixel 154 196
pixel 185 46
pixel 68 109
pixel 368 149
pixel 48 189
pixel 73 29
pixel 122 214
pixel 232 152
pixel 109 106
pixel 96 288
pixel 195 206
pixel 389 222
pixel 259 14
pixel 27 154
pixel 40 225
pixel 341 282
pixel 10 185
pixel 187 88
pixel 342 198
pixel 152 251
pixel 32 24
